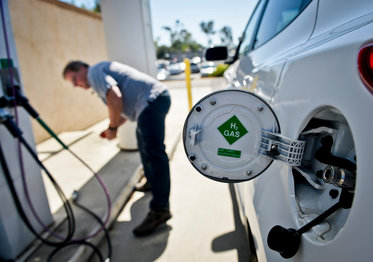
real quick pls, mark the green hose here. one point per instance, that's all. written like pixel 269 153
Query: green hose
pixel 46 127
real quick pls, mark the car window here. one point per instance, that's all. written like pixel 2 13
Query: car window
pixel 277 15
pixel 249 32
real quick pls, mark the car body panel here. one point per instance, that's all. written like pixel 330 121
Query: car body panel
pixel 292 120
pixel 333 14
pixel 266 62
pixel 301 74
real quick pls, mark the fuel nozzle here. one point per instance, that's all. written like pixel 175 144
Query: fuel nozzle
pixel 7 121
pixel 24 102
pixel 6 101
pixel 12 95
pixel 339 177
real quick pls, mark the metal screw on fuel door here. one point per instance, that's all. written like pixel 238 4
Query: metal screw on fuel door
pixel 204 167
pixel 260 108
pixel 198 108
pixel 212 102
pixel 192 158
pixel 249 172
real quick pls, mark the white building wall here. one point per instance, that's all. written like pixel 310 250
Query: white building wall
pixel 128 32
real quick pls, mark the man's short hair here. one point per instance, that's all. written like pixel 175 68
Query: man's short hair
pixel 73 66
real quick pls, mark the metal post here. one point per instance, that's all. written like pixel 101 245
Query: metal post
pixel 188 81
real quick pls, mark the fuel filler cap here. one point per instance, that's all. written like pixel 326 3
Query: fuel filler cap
pixel 223 134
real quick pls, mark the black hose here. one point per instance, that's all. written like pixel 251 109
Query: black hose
pixel 19 206
pixel 17 133
pixel 24 102
pixel 59 245
pixel 70 217
pixel 66 204
pixel 98 219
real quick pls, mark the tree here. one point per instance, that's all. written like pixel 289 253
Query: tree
pixel 177 33
pixel 226 36
pixel 97 7
pixel 181 41
pixel 163 52
pixel 208 29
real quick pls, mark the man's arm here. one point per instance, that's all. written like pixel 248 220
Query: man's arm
pixel 114 103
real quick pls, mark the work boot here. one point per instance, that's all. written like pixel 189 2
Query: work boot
pixel 143 187
pixel 151 222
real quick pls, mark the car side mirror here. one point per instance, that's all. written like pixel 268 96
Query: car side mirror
pixel 216 53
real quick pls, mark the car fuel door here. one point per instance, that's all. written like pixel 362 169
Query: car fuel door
pixel 233 135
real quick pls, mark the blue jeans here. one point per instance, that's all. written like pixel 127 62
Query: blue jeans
pixel 150 135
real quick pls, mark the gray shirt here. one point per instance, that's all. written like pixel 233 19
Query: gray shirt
pixel 136 87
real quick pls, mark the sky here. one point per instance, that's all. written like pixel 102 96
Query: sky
pixel 191 13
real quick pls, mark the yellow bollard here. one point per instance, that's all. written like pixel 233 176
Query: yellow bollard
pixel 188 82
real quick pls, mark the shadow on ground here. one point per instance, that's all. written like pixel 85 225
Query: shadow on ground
pixel 235 239
pixel 127 247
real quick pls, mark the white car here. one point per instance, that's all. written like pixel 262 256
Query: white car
pixel 176 68
pixel 207 68
pixel 162 74
pixel 309 64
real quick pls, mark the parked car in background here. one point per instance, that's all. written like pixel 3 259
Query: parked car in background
pixel 207 68
pixel 176 68
pixel 194 68
pixel 162 70
pixel 162 74
pixel 310 63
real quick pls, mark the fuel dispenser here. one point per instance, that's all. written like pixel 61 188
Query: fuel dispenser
pixel 233 135
pixel 13 97
pixel 25 212
pixel 14 236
